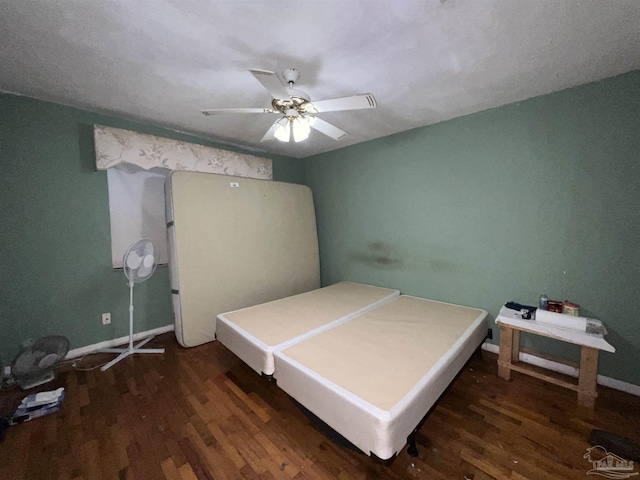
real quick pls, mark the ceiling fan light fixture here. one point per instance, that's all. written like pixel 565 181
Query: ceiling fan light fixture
pixel 301 129
pixel 283 131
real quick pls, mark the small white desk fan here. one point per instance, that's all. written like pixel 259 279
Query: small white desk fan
pixel 139 264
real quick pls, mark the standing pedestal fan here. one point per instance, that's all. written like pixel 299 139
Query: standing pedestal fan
pixel 139 264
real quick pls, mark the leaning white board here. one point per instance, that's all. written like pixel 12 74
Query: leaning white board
pixel 235 242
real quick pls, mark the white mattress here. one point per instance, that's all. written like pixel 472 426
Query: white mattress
pixel 235 242
pixel 374 377
pixel 254 333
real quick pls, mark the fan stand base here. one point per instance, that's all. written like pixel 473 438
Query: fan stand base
pixel 125 352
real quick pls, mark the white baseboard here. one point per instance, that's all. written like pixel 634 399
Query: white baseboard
pixel 489 347
pixel 568 370
pixel 79 352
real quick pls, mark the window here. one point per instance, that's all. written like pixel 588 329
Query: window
pixel 136 209
pixel 137 166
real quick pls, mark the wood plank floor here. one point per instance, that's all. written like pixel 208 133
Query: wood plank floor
pixel 200 413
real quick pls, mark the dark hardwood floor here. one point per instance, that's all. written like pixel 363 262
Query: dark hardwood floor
pixel 200 413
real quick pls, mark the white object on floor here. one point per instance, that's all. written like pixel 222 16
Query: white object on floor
pixel 42 398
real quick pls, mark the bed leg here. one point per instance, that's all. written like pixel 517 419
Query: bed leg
pixel 478 352
pixel 412 450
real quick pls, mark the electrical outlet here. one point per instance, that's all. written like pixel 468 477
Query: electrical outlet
pixel 106 318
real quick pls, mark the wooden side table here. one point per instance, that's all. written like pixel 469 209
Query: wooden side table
pixel 590 344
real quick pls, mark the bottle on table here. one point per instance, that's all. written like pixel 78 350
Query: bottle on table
pixel 542 303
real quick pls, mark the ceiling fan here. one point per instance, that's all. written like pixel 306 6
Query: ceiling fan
pixel 296 108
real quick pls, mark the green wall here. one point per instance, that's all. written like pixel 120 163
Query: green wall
pixel 537 196
pixel 55 254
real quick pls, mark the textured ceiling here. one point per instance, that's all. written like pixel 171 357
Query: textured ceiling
pixel 161 61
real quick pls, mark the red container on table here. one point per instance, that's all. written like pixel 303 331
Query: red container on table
pixel 554 306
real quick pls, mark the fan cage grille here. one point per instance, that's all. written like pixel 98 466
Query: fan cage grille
pixel 25 365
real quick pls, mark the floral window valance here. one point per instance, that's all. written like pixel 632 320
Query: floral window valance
pixel 115 146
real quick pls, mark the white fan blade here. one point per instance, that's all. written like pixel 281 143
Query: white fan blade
pixel 326 128
pixel 148 260
pixel 144 271
pixel 216 111
pixel 133 260
pixel 355 102
pixel 48 360
pixel 272 83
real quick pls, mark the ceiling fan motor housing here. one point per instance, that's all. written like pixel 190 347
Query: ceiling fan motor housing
pixel 298 101
pixel 291 76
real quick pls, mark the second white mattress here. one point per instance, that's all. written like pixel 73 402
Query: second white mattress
pixel 374 377
pixel 254 333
